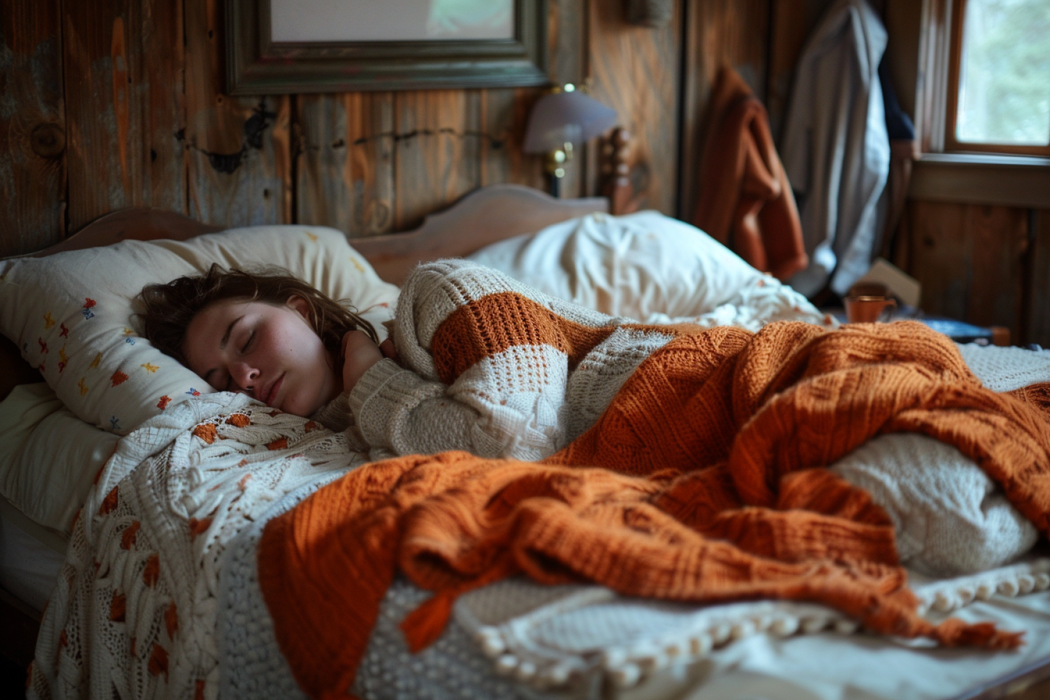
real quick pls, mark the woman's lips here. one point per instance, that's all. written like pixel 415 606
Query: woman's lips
pixel 272 394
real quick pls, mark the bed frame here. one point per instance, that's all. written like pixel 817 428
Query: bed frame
pixel 482 217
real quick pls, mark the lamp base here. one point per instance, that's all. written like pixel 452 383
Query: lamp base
pixel 556 186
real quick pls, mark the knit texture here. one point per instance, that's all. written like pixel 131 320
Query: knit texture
pixel 493 367
pixel 948 515
pixel 134 611
pixel 702 481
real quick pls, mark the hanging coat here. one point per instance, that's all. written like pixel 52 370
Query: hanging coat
pixel 745 201
pixel 835 148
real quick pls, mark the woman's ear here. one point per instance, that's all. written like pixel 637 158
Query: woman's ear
pixel 301 307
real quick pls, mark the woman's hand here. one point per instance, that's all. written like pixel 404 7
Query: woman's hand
pixel 388 350
pixel 359 354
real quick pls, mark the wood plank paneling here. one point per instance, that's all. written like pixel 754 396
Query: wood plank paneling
pixel 792 23
pixel 123 64
pixel 717 33
pixel 970 260
pixel 237 150
pixel 344 161
pixel 503 115
pixel 32 126
pixel 635 71
pixel 567 41
pixel 1000 243
pixel 941 256
pixel 436 152
pixel 567 45
pixel 1037 307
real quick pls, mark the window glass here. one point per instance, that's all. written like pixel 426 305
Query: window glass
pixel 1004 73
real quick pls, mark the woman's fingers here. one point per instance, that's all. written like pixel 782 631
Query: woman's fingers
pixel 388 350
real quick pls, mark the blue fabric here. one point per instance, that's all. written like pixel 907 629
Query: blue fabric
pixel 899 125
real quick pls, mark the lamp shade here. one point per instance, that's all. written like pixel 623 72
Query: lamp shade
pixel 565 117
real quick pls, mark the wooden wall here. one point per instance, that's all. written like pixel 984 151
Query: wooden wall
pixel 106 104
pixel 976 237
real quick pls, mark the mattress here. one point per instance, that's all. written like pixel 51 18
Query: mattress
pixel 30 556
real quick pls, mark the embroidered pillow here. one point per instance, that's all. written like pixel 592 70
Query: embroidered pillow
pixel 72 314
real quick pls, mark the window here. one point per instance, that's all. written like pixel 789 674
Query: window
pixel 999 77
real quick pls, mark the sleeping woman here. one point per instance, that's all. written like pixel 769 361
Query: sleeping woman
pixel 481 363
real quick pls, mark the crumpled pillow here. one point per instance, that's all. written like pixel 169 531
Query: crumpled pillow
pixel 49 458
pixel 646 266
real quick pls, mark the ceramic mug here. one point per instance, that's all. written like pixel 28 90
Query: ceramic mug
pixel 867 302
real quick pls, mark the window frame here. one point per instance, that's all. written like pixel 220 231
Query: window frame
pixel 956 10
pixel 919 56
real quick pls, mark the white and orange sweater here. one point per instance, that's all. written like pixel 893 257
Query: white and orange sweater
pixel 493 367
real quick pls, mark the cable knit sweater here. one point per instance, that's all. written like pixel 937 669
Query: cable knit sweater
pixel 494 384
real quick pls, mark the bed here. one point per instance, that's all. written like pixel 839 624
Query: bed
pixel 174 589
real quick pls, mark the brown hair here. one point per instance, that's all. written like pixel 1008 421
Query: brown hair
pixel 170 307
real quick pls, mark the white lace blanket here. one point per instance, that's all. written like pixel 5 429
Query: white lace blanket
pixel 134 611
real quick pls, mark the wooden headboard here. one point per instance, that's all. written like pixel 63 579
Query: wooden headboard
pixel 481 217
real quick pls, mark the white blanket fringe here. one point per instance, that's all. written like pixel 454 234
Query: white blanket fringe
pixel 553 637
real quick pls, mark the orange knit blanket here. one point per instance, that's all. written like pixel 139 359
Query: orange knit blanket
pixel 703 481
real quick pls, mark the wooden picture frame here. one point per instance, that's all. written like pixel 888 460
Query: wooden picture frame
pixel 256 65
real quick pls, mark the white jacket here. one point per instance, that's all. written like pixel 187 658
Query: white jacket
pixel 835 148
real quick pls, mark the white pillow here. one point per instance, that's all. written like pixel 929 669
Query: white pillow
pixel 48 456
pixel 72 313
pixel 645 266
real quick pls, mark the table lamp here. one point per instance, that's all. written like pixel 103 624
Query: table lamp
pixel 559 120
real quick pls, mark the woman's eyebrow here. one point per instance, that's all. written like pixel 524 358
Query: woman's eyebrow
pixel 229 331
pixel 222 345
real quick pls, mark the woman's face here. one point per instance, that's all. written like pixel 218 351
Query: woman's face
pixel 267 351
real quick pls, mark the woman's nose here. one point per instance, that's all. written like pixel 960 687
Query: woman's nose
pixel 244 375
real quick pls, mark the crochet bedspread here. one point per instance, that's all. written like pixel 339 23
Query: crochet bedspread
pixel 704 481
pixel 136 608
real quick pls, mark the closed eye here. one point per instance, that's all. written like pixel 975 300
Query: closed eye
pixel 248 343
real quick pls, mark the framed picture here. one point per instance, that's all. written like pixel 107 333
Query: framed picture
pixel 297 46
